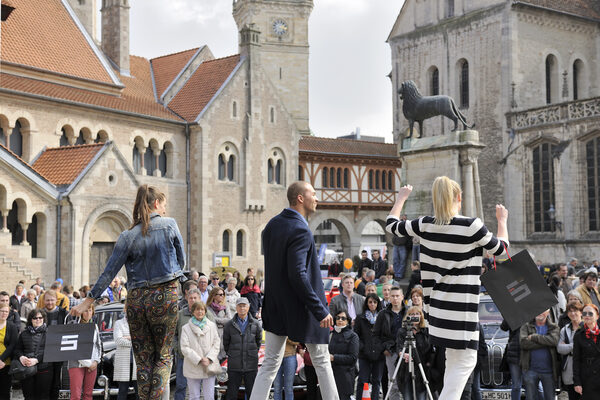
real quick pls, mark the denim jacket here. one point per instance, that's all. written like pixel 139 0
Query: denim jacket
pixel 149 260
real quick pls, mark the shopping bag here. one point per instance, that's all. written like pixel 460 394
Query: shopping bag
pixel 518 289
pixel 69 342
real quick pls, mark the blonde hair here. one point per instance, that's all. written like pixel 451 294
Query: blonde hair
pixel 414 309
pixel 445 194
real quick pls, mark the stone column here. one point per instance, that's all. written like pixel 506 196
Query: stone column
pixel 5 220
pixel 24 226
pixel 7 134
pixel 156 153
pixel 468 159
pixel 142 151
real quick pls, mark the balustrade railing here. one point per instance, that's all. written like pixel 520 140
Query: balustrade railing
pixel 554 113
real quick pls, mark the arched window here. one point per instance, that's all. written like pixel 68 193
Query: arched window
pixel 346 177
pixel 13 225
pixel 370 179
pixel 137 159
pixel 162 162
pixel 270 171
pixel 324 178
pixel 332 177
pixel 16 140
pixel 225 245
pixel 464 84
pixel 577 78
pixel 80 138
pixel 435 82
pixel 543 187
pixel 230 167
pixel 339 178
pixel 149 161
pixel 377 179
pixel 227 162
pixel 234 109
pixel 221 167
pixel 300 173
pixel 383 180
pixel 278 168
pixel 592 155
pixel 390 180
pixel 551 79
pixel 64 140
pixel 2 137
pixel 239 243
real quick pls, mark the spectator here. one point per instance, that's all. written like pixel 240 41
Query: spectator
pixel 9 336
pixel 385 294
pixel 557 309
pixel 54 314
pixel 563 274
pixel 348 301
pixel 404 380
pixel 572 296
pixel 284 380
pixel 565 347
pixel 370 287
pixel 183 317
pixel 370 355
pixel 28 304
pixel 416 248
pixel 416 297
pixel 30 351
pixel 334 269
pixel 379 264
pixel 115 291
pixel 251 291
pixel 200 347
pixel 13 316
pixel 572 266
pixel 369 276
pixel 82 373
pixel 231 294
pixel 194 275
pixel 388 322
pixel 214 281
pixel 343 351
pixel 17 299
pixel 38 291
pixel 588 291
pixel 125 370
pixel 223 283
pixel 241 339
pixel 586 355
pixel 187 286
pixel 364 262
pixel 83 291
pixel 203 288
pixel 415 276
pixel 240 281
pixel 382 281
pixel 401 246
pixel 62 300
pixel 219 312
pixel 539 361
pixel 38 281
pixel 512 357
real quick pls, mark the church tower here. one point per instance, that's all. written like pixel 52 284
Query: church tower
pixel 283 49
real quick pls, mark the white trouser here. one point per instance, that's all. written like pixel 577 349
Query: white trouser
pixel 459 365
pixel 204 387
pixel 274 350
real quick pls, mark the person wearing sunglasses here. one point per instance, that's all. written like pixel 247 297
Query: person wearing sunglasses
pixel 251 291
pixel 586 355
pixel 343 351
pixel 218 312
pixel 30 351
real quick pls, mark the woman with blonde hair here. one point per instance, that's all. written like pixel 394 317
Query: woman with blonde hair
pixel 452 247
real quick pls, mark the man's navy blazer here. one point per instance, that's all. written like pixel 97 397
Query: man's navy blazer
pixel 294 301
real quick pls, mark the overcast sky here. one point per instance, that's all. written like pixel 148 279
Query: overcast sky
pixel 349 59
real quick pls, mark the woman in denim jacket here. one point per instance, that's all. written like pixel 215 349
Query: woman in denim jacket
pixel 152 252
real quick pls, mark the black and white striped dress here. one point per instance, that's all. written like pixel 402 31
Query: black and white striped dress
pixel 451 258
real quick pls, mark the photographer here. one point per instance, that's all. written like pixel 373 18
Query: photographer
pixel 415 322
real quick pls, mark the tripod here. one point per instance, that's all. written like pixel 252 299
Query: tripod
pixel 413 357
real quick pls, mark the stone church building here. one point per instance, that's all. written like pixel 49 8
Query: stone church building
pixel 527 73
pixel 83 123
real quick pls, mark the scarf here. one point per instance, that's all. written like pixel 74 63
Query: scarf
pixel 199 324
pixel 248 289
pixel 39 329
pixel 216 307
pixel 371 316
pixel 592 333
pixel 231 293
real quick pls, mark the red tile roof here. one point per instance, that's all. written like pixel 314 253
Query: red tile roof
pixel 21 160
pixel 582 8
pixel 167 67
pixel 62 165
pixel 313 144
pixel 43 35
pixel 202 86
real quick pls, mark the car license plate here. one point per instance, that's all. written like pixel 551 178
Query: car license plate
pixel 485 395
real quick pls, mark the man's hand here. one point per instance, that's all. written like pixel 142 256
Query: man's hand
pixel 327 322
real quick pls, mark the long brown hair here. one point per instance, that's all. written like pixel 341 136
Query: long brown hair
pixel 144 202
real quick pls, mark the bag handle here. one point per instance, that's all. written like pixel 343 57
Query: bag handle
pixel 506 250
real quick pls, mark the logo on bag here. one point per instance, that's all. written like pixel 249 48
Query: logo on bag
pixel 518 290
pixel 68 343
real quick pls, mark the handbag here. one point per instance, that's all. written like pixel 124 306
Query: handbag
pixel 19 372
pixel 214 368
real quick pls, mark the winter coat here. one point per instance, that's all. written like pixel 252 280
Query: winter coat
pixel 32 346
pixel 343 347
pixel 26 307
pixel 220 319
pixel 565 347
pixel 383 328
pixel 549 341
pixel 370 348
pixel 231 298
pixel 255 300
pixel 585 294
pixel 586 365
pixel 425 354
pixel 196 344
pixel 512 353
pixel 242 350
pixel 125 369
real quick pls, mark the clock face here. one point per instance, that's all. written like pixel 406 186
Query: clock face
pixel 280 27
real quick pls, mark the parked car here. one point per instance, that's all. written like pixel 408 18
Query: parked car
pixel 332 287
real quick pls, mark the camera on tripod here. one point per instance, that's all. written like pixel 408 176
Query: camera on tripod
pixel 409 321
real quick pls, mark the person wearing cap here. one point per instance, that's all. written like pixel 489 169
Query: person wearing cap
pixel 241 340
pixel 588 290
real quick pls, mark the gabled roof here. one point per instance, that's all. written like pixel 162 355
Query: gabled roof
pixel 27 170
pixel 313 144
pixel 62 165
pixel 43 35
pixel 202 86
pixel 582 8
pixel 167 67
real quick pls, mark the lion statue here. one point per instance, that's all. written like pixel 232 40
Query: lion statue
pixel 417 107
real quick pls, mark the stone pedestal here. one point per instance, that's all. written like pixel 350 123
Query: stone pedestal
pixel 454 155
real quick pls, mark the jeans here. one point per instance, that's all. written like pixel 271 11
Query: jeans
pixel 407 392
pixel 516 376
pixel 369 372
pixel 284 381
pixel 532 378
pixel 180 380
pixel 274 349
pixel 400 255
pixel 476 386
pixel 416 252
pixel 459 365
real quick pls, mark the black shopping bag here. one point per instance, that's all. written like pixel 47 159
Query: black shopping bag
pixel 69 342
pixel 518 289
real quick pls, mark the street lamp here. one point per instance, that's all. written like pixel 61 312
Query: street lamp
pixel 552 214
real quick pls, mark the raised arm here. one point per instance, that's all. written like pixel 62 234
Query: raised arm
pixel 403 194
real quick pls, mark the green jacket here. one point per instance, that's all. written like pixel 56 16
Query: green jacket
pixel 537 341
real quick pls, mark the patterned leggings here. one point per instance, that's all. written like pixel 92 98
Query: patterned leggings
pixel 152 317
